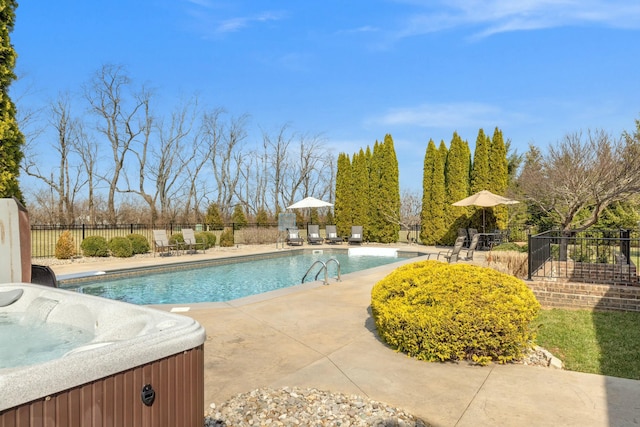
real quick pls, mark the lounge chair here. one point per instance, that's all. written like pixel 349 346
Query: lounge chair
pixel 313 234
pixel 332 235
pixel 43 275
pixel 356 235
pixel 161 242
pixel 462 232
pixel 472 247
pixel 293 237
pixel 451 255
pixel 190 241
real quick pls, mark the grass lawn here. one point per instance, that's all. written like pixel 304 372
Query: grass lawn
pixel 606 343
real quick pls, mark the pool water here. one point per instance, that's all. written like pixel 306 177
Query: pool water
pixel 227 282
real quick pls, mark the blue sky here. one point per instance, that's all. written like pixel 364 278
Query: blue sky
pixel 356 70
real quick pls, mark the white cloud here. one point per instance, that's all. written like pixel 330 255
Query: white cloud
pixel 448 116
pixel 488 17
pixel 235 24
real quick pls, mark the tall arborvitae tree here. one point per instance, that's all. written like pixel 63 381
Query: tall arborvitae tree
pixel 360 188
pixel 386 200
pixel 11 139
pixel 499 178
pixel 343 205
pixel 480 173
pixel 371 231
pixel 439 191
pixel 457 171
pixel 431 218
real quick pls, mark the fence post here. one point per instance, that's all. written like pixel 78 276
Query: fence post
pixel 529 260
pixel 625 245
pixel 83 231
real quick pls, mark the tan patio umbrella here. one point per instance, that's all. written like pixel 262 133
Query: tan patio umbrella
pixel 485 199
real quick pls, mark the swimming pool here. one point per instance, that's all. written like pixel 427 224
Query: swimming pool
pixel 233 280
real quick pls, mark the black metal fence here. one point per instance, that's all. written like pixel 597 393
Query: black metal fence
pixel 45 237
pixel 592 256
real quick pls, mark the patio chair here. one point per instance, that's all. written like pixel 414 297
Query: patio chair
pixel 451 255
pixel 472 247
pixel 332 234
pixel 313 234
pixel 162 245
pixel 293 237
pixel 462 232
pixel 190 241
pixel 356 235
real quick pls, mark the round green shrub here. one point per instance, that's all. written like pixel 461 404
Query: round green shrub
pixel 177 238
pixel 120 247
pixel 139 243
pixel 207 237
pixel 437 312
pixel 95 246
pixel 226 239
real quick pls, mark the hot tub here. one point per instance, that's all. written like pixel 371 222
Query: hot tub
pixel 131 366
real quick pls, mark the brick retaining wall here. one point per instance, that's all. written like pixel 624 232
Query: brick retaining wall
pixel 586 296
pixel 590 272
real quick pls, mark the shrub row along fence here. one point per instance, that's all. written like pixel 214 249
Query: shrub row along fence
pixel 45 237
pixel 592 256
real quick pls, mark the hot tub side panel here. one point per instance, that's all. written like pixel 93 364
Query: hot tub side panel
pixel 116 400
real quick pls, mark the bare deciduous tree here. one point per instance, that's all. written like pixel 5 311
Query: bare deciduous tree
pixel 582 174
pixel 224 146
pixel 64 180
pixel 123 117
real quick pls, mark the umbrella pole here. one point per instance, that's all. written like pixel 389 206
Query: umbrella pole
pixel 483 221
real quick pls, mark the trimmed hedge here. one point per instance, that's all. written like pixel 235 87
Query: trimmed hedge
pixel 139 243
pixel 176 238
pixel 120 247
pixel 207 237
pixel 95 246
pixel 438 312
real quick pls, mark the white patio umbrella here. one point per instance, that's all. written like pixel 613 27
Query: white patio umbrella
pixel 310 202
pixel 485 199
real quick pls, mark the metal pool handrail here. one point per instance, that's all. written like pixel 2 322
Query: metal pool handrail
pixel 323 268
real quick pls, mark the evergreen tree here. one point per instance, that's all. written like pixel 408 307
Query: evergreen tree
pixel 457 184
pixel 480 174
pixel 499 177
pixel 360 188
pixel 213 218
pixel 262 217
pixel 11 139
pixel 429 217
pixel 372 230
pixel 343 204
pixel 314 216
pixel 439 194
pixel 238 217
pixel 385 194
